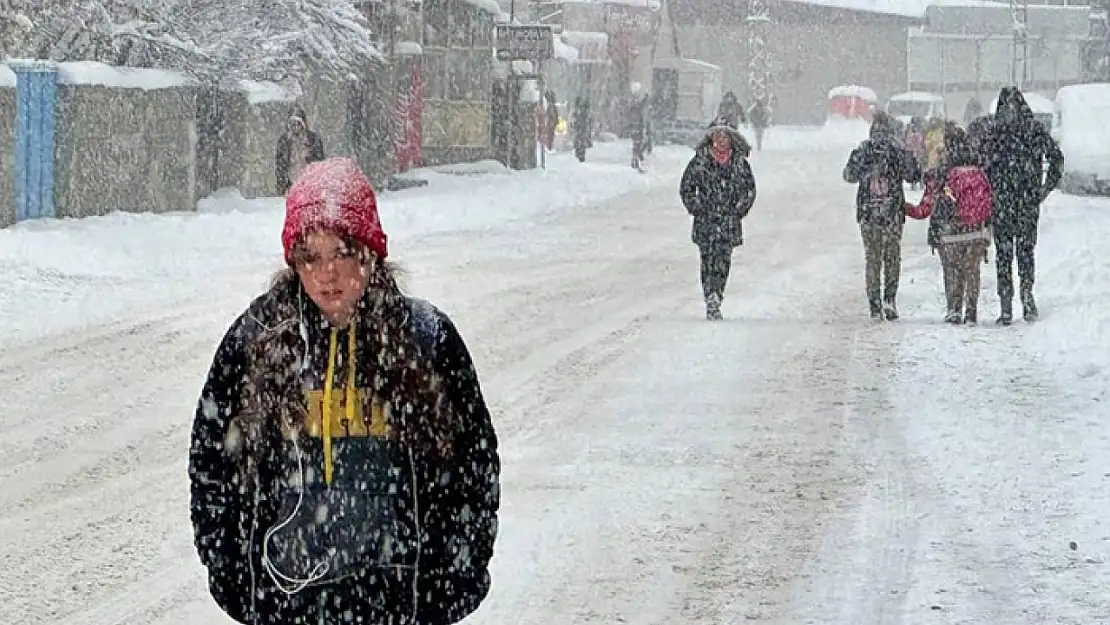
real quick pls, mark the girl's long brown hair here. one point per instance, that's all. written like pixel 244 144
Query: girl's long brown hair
pixel 402 372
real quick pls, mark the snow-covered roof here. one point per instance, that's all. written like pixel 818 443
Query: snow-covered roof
pixel 490 6
pixel 902 8
pixel 7 78
pixel 261 92
pixel 853 91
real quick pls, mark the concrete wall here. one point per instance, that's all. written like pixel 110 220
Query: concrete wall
pixel 7 156
pixel 124 150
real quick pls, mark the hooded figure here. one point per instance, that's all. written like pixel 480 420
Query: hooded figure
pixel 879 166
pixel 296 148
pixel 718 190
pixel 731 111
pixel 343 465
pixel 958 204
pixel 581 126
pixel 1014 153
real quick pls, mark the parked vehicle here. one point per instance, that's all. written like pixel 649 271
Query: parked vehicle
pixel 905 106
pixel 1081 125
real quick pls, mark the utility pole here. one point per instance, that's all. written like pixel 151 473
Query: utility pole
pixel 1019 58
pixel 759 58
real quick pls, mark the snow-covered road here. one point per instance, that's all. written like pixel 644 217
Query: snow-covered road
pixel 793 464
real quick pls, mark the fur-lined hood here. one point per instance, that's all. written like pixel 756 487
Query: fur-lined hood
pixel 739 144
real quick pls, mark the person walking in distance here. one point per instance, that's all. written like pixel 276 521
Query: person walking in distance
pixel 297 147
pixel 718 190
pixel 958 204
pixel 1015 151
pixel 880 165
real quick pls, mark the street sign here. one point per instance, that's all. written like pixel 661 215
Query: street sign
pixel 531 42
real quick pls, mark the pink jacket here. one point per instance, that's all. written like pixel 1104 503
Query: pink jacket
pixel 969 187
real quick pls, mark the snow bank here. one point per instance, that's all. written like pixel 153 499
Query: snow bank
pixel 7 77
pixel 853 91
pixel 101 75
pixel 54 273
pixel 263 92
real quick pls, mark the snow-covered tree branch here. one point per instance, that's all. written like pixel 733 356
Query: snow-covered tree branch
pixel 275 40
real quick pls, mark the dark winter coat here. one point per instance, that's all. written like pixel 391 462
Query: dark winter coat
pixel 637 122
pixel 718 196
pixel 1014 155
pixel 414 527
pixel 760 114
pixel 731 110
pixel 284 151
pixel 880 165
pixel 582 125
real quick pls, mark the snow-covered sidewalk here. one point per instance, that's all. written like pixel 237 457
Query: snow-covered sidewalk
pixel 61 275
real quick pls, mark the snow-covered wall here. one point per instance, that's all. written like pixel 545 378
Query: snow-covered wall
pixel 124 149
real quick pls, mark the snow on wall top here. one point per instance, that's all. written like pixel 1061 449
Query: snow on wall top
pixel 93 73
pixel 490 6
pixel 853 91
pixel 902 8
pixel 99 74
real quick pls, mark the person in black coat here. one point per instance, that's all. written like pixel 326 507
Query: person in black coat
pixel 298 147
pixel 718 190
pixel 581 125
pixel 880 165
pixel 343 464
pixel 1015 151
pixel 731 111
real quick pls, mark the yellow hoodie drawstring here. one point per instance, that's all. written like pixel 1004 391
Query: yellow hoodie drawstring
pixel 350 399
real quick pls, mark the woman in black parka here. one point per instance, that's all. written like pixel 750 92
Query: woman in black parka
pixel 718 190
pixel 343 465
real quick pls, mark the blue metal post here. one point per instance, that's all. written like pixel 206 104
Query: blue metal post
pixel 36 94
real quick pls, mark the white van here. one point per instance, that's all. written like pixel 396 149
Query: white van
pixel 906 106
pixel 1081 124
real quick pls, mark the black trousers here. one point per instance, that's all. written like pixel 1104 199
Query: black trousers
pixel 1012 240
pixel 716 262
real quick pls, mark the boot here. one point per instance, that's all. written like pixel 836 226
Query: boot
pixel 890 311
pixel 876 309
pixel 1028 304
pixel 953 317
pixel 971 316
pixel 713 307
pixel 1007 315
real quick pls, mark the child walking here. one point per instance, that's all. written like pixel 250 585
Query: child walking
pixel 958 204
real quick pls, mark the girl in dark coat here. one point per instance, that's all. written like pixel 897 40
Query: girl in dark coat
pixel 343 464
pixel 718 190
